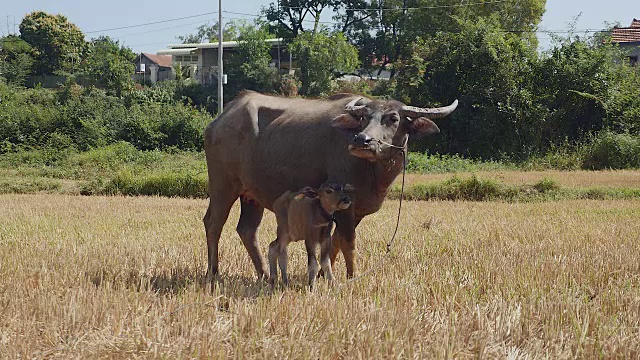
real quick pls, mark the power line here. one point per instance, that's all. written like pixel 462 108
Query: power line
pixel 169 28
pixel 258 15
pixel 411 8
pixel 159 43
pixel 152 23
pixel 162 29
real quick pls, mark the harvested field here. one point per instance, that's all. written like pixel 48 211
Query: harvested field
pixel 571 179
pixel 116 277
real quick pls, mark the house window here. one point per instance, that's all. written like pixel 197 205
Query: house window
pixel 187 58
pixel 633 60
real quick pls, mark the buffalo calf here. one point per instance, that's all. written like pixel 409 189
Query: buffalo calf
pixel 307 214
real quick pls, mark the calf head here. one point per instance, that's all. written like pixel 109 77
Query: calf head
pixel 378 128
pixel 333 197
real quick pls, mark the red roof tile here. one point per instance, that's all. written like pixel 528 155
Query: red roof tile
pixel 161 60
pixel 627 34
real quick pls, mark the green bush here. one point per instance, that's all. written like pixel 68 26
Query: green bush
pixel 613 151
pixel 472 189
pixel 546 185
pixel 29 185
pixel 159 184
pixel 88 118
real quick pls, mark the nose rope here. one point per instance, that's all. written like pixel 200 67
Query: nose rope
pixel 404 143
pixel 401 148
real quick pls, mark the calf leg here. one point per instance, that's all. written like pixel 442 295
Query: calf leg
pixel 250 218
pixel 325 258
pixel 312 262
pixel 282 261
pixel 274 252
pixel 214 219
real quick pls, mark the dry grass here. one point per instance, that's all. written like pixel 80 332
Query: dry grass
pixel 116 277
pixel 571 179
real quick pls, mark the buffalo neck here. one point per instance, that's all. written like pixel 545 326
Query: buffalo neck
pixel 386 171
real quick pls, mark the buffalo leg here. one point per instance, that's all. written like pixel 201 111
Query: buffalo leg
pixel 214 219
pixel 250 218
pixel 344 239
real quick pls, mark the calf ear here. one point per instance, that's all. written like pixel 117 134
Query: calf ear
pixel 345 121
pixel 349 188
pixel 422 126
pixel 309 192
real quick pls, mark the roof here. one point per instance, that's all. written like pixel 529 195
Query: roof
pixel 160 60
pixel 178 51
pixel 629 34
pixel 214 45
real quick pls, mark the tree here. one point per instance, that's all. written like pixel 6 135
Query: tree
pixel 209 33
pixel 322 58
pixel 585 86
pixel 290 15
pixel 385 30
pixel 491 72
pixel 58 44
pixel 16 60
pixel 517 16
pixel 249 66
pixel 109 65
pixel 357 19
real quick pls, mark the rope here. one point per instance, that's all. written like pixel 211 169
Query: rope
pixel 395 231
pixel 404 171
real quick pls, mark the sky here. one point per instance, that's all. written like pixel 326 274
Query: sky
pixel 173 18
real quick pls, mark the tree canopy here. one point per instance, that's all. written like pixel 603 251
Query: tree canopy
pixel 321 58
pixel 58 44
pixel 108 64
pixel 16 59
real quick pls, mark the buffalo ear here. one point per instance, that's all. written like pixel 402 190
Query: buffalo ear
pixel 309 192
pixel 345 121
pixel 422 126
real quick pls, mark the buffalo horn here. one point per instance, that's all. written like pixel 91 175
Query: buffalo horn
pixel 431 113
pixel 356 110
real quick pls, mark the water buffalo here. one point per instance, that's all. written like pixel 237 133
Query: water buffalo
pixel 262 146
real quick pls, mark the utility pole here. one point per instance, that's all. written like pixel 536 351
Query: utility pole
pixel 220 50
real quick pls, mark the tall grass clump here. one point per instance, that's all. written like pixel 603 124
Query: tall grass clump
pixel 185 185
pixel 609 150
pixel 472 189
pixel 442 163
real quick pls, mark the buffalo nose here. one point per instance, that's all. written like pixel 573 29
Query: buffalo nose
pixel 362 139
pixel 345 200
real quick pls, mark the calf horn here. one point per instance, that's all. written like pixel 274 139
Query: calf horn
pixel 431 113
pixel 356 110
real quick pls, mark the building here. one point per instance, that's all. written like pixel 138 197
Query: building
pixel 628 38
pixel 202 59
pixel 151 68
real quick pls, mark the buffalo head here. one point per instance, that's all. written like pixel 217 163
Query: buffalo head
pixel 376 128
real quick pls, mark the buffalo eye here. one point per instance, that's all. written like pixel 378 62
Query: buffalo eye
pixel 329 191
pixel 395 118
